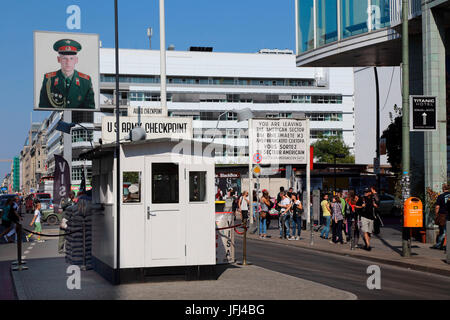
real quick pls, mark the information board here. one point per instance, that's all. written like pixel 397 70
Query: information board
pixel 280 141
pixel 423 113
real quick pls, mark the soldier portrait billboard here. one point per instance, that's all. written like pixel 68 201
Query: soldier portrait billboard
pixel 66 71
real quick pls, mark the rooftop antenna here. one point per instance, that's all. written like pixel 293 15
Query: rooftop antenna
pixel 149 35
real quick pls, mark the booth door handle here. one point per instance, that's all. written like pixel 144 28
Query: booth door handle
pixel 149 213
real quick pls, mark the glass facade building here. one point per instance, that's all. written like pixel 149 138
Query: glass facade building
pixel 321 22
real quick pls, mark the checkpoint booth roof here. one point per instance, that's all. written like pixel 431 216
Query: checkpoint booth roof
pixel 167 207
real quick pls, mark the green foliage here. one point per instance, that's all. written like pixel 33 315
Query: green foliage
pixel 326 147
pixel 131 177
pixel 393 136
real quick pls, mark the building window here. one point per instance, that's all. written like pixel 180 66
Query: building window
pixel 354 17
pixel 131 187
pixel 306 25
pixel 197 186
pixel 82 135
pixel 326 22
pixel 165 183
pixel 78 173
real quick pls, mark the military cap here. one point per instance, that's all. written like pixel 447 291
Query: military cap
pixel 67 46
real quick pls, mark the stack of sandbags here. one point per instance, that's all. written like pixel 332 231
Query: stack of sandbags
pixel 79 240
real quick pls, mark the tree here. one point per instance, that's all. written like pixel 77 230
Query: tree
pixel 393 136
pixel 326 147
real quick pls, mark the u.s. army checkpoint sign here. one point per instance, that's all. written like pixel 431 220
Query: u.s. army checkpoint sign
pixel 176 128
pixel 281 141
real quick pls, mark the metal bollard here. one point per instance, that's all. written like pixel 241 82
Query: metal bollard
pixel 20 264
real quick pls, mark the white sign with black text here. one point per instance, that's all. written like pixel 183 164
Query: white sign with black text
pixel 281 141
pixel 176 128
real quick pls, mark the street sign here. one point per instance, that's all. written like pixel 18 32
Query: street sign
pixel 256 170
pixel 280 141
pixel 423 113
pixel 176 128
pixel 257 158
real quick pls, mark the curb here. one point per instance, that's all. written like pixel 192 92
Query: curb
pixel 18 287
pixel 411 266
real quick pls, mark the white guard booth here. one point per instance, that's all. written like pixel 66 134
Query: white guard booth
pixel 167 210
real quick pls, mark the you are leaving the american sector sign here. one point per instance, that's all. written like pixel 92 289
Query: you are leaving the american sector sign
pixel 281 141
pixel 177 128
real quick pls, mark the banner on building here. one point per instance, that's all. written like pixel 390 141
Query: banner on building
pixel 176 128
pixel 61 182
pixel 66 71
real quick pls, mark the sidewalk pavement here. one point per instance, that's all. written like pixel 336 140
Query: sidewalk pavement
pixel 47 279
pixel 386 248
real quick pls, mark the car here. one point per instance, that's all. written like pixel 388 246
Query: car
pixel 29 200
pixel 389 205
pixel 48 214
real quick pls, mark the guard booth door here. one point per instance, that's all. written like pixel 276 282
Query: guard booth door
pixel 165 229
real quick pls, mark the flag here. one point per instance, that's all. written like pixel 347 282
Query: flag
pixel 83 182
pixel 61 182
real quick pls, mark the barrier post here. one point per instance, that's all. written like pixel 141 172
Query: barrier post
pixel 353 233
pixel 20 264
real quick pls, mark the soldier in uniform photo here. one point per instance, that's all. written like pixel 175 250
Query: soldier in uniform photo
pixel 67 88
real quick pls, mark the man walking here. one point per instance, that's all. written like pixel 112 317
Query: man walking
pixel 366 205
pixel 441 216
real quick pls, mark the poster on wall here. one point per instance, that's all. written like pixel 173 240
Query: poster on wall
pixel 66 71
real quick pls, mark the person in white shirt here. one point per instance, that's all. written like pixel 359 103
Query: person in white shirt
pixel 37 222
pixel 283 222
pixel 243 206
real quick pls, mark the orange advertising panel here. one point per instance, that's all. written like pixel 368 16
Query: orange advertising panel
pixel 413 213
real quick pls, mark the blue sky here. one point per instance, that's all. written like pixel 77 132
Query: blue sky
pixel 230 26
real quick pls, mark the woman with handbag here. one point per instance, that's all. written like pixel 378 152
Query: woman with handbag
pixel 297 211
pixel 265 205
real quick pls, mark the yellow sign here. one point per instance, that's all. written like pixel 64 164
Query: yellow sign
pixel 257 170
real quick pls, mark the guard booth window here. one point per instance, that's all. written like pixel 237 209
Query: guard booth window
pixel 131 187
pixel 197 186
pixel 165 183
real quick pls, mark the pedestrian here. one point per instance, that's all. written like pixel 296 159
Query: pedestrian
pixel 234 204
pixel 441 216
pixel 255 206
pixel 279 198
pixel 63 226
pixel 376 203
pixel 243 206
pixel 37 222
pixel 285 205
pixel 15 218
pixel 297 211
pixel 6 222
pixel 350 214
pixel 265 208
pixel 343 211
pixel 290 192
pixel 365 204
pixel 337 217
pixel 325 205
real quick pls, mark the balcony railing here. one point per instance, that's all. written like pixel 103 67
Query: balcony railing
pixel 415 10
